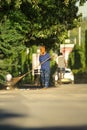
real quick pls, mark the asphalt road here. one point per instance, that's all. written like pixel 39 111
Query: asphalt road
pixel 58 108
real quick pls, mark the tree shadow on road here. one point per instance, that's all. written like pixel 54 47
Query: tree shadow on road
pixel 7 115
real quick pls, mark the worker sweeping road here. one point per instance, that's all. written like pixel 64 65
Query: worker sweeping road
pixel 45 67
pixel 44 59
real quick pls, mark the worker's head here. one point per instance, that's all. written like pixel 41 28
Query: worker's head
pixel 42 50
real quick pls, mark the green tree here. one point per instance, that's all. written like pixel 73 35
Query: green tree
pixel 86 49
pixel 76 58
pixel 11 44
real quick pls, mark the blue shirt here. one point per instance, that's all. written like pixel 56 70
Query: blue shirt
pixel 45 65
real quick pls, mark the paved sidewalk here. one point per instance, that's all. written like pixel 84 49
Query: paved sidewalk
pixel 60 108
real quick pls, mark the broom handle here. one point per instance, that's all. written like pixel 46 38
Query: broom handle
pixel 36 66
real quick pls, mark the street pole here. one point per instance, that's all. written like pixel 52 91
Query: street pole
pixel 79 36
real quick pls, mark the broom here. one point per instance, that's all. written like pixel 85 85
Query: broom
pixel 17 79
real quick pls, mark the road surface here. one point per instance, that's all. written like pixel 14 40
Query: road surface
pixel 58 108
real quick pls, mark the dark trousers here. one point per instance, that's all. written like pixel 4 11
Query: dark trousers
pixel 61 72
pixel 45 77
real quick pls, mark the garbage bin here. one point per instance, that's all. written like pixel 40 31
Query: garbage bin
pixel 37 77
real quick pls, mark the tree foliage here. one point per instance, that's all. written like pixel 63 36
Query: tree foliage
pixel 76 58
pixel 48 20
pixel 79 53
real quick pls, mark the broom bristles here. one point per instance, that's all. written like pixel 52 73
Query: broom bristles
pixel 17 79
